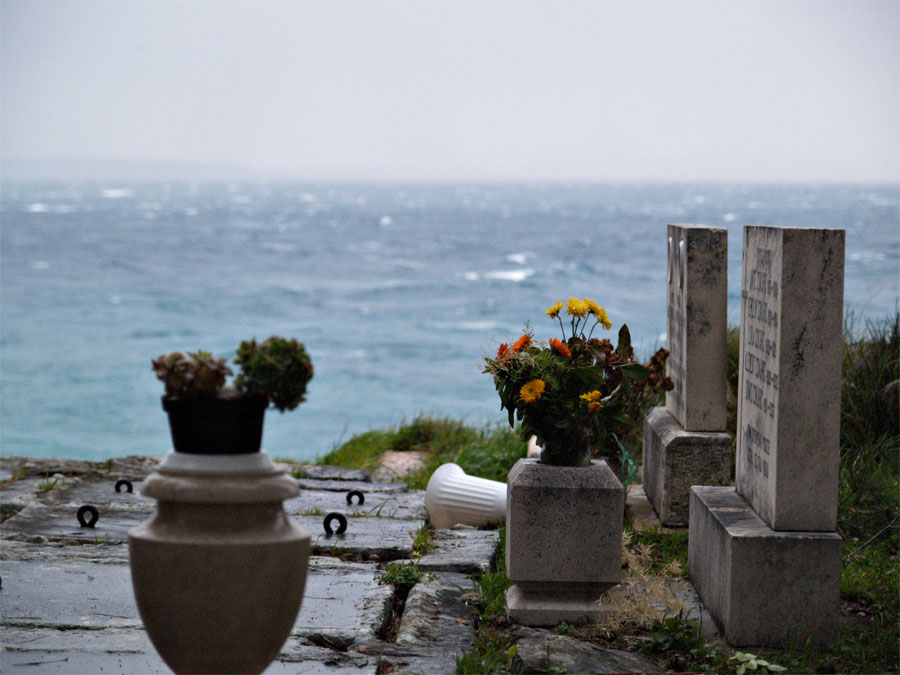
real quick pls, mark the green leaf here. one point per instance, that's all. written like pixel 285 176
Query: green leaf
pixel 762 662
pixel 775 668
pixel 741 669
pixel 635 371
pixel 624 340
pixel 751 665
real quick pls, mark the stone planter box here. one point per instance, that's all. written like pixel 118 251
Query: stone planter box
pixel 563 541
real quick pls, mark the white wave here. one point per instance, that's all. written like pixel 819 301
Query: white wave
pixel 662 338
pixel 518 258
pixel 307 198
pixel 116 193
pixel 191 211
pixel 477 325
pixel 470 276
pixel 40 265
pixel 37 208
pixel 729 217
pixel 866 256
pixel 510 275
pixel 240 199
pixel 385 221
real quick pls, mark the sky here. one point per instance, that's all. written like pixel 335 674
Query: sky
pixel 717 90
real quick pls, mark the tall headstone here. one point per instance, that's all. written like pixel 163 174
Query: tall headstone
pixel 763 555
pixel 789 397
pixel 684 442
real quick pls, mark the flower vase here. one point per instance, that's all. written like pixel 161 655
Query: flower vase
pixel 220 569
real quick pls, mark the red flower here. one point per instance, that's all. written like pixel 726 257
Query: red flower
pixel 560 347
pixel 522 343
pixel 502 352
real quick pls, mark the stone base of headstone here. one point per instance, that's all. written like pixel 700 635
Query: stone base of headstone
pixel 552 604
pixel 764 587
pixel 675 459
pixel 563 540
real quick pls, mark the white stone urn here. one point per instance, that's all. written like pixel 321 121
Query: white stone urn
pixel 219 570
pixel 563 541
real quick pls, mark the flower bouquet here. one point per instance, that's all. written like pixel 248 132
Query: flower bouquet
pixel 579 393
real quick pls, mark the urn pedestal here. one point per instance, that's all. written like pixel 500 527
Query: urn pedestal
pixel 219 570
pixel 563 541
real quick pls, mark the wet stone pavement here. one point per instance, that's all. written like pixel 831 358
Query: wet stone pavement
pixel 66 603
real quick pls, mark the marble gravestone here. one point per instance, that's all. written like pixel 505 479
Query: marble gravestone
pixel 684 442
pixel 763 555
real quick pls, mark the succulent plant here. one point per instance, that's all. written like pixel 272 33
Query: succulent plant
pixel 197 374
pixel 277 368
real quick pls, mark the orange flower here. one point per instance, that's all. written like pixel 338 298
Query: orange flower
pixel 502 352
pixel 595 406
pixel 522 343
pixel 560 347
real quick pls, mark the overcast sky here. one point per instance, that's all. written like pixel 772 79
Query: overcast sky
pixel 550 90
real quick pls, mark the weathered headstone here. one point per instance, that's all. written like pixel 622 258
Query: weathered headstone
pixel 763 555
pixel 684 442
pixel 789 397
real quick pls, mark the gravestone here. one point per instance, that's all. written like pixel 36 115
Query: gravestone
pixel 684 442
pixel 763 555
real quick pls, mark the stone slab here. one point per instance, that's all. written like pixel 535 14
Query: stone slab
pixel 533 607
pixel 60 523
pixel 343 603
pixel 764 587
pixel 379 539
pixel 436 614
pixel 463 551
pixel 675 459
pixel 115 650
pixel 330 472
pixel 696 320
pixel 347 485
pixel 789 393
pixel 67 595
pixel 399 504
pixel 538 651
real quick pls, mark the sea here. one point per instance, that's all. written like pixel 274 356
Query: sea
pixel 398 291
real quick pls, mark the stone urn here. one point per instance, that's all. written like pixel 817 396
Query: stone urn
pixel 563 541
pixel 219 570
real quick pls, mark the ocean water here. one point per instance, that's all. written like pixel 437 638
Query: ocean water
pixel 398 291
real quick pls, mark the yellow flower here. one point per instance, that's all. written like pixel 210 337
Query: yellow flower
pixel 591 396
pixel 598 312
pixel 531 391
pixel 554 311
pixel 576 307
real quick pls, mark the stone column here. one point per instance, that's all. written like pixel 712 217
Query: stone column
pixel 763 555
pixel 684 442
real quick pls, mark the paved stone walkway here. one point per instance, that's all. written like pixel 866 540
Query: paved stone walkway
pixel 68 607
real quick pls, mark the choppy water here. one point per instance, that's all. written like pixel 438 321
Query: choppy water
pixel 398 291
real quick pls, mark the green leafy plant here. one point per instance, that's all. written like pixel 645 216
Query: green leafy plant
pixel 422 540
pixel 277 368
pixel 402 574
pixel 742 662
pixel 48 484
pixel 576 393
pixel 197 374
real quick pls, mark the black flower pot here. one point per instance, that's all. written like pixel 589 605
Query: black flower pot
pixel 216 426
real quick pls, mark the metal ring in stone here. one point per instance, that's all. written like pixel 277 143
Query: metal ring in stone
pixel 88 509
pixel 124 483
pixel 342 522
pixel 357 493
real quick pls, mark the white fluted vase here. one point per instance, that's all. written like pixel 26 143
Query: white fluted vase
pixel 452 498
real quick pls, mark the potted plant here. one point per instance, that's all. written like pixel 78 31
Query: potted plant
pixel 564 512
pixel 208 417
pixel 579 394
pixel 219 570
